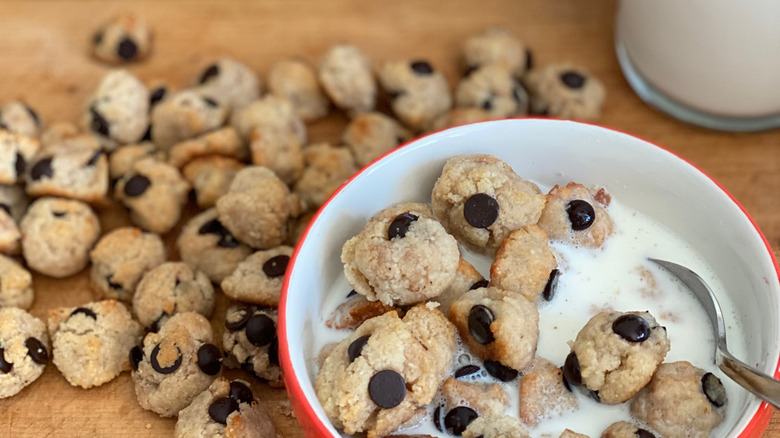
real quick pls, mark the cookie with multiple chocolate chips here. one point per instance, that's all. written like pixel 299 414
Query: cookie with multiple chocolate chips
pixel 418 92
pixel 624 429
pixel 577 215
pixel 16 288
pixel 118 112
pixel 90 342
pixel 19 118
pixel 371 135
pixel 523 263
pixel 24 350
pixel 174 365
pixel 250 342
pixel 297 80
pixel 502 426
pixel 16 151
pixel 258 279
pixel 543 394
pixel 185 115
pixel 565 92
pixel 497 45
pixel 493 88
pixel 229 82
pixel 346 76
pixel 326 168
pixel 125 38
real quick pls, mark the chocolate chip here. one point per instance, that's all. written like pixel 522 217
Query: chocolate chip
pixel 5 366
pixel 209 359
pixel 41 169
pixel 112 285
pixel 157 95
pixel 94 158
pixel 356 347
pixel 221 408
pixel 400 225
pixel 480 318
pixel 210 72
pixel 458 419
pixel 210 102
pixel 594 395
pixel 631 327
pixel 351 293
pixel 713 389
pixel 552 283
pixel 246 313
pixel 148 134
pixel 565 382
pixel 260 330
pixel 487 104
pixel 437 418
pixel 642 433
pixel 571 370
pixel 466 370
pixel 572 79
pixel 20 164
pixel 529 60
pixel 136 356
pixel 273 352
pixel 136 185
pixel 276 266
pixel 479 284
pixel 97 38
pixel 500 371
pixel 422 68
pixel 59 214
pixel 480 210
pixel 387 389
pixel 469 70
pixel 33 114
pixel 7 208
pixel 127 49
pixel 241 393
pixel 214 226
pixel 581 214
pixel 84 311
pixel 161 369
pixel 98 124
pixel 37 351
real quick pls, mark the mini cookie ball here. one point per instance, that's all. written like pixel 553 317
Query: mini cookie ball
pixel 223 142
pixel 171 367
pixel 493 88
pixel 70 169
pixel 16 150
pixel 486 399
pixel 16 288
pixel 624 429
pixel 371 135
pixel 380 375
pixel 497 45
pixel 169 289
pixel 279 151
pixel 155 194
pixel 524 263
pixel 13 205
pixel 122 160
pixel 480 200
pixel 419 93
pixel 183 116
pixel 577 215
pixel 326 169
pixel 297 80
pixel 211 177
pixel 459 116
pixel 500 328
pixel 118 112
pixel 543 394
pixel 346 76
pixel 90 342
pixel 258 279
pixel 681 400
pixel 57 235
pixel 565 92
pixel 502 426
pixel 19 118
pixel 270 112
pixel 250 342
pixel 229 82
pixel 257 207
pixel 616 354
pixel 125 38
pixel 24 350
pixel 402 256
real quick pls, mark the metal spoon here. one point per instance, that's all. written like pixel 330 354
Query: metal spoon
pixel 760 384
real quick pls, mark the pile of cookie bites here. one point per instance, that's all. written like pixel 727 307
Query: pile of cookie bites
pixel 236 147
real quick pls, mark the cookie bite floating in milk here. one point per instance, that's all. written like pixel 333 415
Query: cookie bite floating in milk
pixel 575 214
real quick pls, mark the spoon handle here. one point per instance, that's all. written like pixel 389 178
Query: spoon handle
pixel 761 385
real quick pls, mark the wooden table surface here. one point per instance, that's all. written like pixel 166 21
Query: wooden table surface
pixel 43 60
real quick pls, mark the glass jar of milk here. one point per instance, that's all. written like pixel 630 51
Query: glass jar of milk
pixel 712 63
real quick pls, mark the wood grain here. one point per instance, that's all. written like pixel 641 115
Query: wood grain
pixel 44 61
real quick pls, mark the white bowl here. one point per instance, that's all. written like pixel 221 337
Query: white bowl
pixel 640 175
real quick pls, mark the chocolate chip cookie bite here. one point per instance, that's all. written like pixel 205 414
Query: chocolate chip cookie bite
pixel 19 118
pixel 16 288
pixel 495 427
pixel 13 205
pixel 524 263
pixel 185 115
pixel 402 256
pixel 493 88
pixel 125 38
pixel 497 45
pixel 577 215
pixel 480 200
pixel 615 355
pixel 466 278
pixel 624 429
pixel 16 151
pixel 297 80
pixel 355 310
pixel 174 365
pixel 250 342
pixel 121 160
pixel 484 399
pixel 346 76
pixel 681 400
pixel 418 92
pixel 118 112
pixel 326 168
pixel 565 92
pixel 543 394
pixel 371 135
pixel 229 82
pixel 258 279
pixel 24 350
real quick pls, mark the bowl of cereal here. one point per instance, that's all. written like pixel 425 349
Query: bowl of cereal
pixel 494 278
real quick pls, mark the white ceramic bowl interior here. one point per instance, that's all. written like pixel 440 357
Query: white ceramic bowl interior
pixel 640 175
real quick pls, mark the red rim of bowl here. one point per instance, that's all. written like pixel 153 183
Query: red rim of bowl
pixel 309 419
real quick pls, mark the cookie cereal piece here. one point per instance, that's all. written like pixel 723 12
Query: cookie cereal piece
pixel 577 215
pixel 543 394
pixel 523 263
pixel 402 256
pixel 16 288
pixel 568 433
pixel 19 118
pixel 206 245
pixel 229 82
pixel 13 204
pixel 225 409
pixel 297 80
pixel 122 160
pixel 681 400
pixel 250 342
pixel 155 193
pixel 371 135
pixel 269 113
pixel 256 208
pixel 185 115
pixel 278 150
pixel 419 93
pixel 57 235
pixel 24 348
pixel 326 169
pixel 466 278
pixel 495 427
pixel 16 150
pixel 223 142
pixel 258 279
pixel 493 88
pixel 118 112
pixel 480 200
pixel 169 289
pixel 346 76
pixel 616 354
pixel 487 399
pixel 624 429
pixel 125 38
pixel 566 92
pixel 380 375
pixel 459 116
pixel 497 45
pixel 90 342
pixel 171 367
pixel 355 311
pixel 72 169
pixel 210 177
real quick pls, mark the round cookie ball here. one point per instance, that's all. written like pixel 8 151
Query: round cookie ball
pixel 565 92
pixel 497 45
pixel 229 82
pixel 297 80
pixel 577 215
pixel 251 344
pixel 624 429
pixel 16 288
pixel 24 350
pixel 57 235
pixel 346 76
pixel 185 115
pixel 480 200
pixel 19 118
pixel 524 263
pixel 277 150
pixel 371 135
pixel 402 256
pixel 493 88
pixel 118 112
pixel 419 93
pixel 326 169
pixel 258 279
pixel 125 38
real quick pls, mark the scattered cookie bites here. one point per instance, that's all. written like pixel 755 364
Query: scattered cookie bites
pixel 371 135
pixel 418 92
pixel 346 76
pixel 492 88
pixel 210 177
pixel 16 287
pixel 297 80
pixel 222 142
pixel 16 151
pixel 229 82
pixel 24 350
pixel 326 168
pixel 497 45
pixel 565 92
pixel 251 344
pixel 183 116
pixel 577 215
pixel 121 161
pixel 258 279
pixel 125 38
pixel 19 118
pixel 71 169
pixel 118 112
